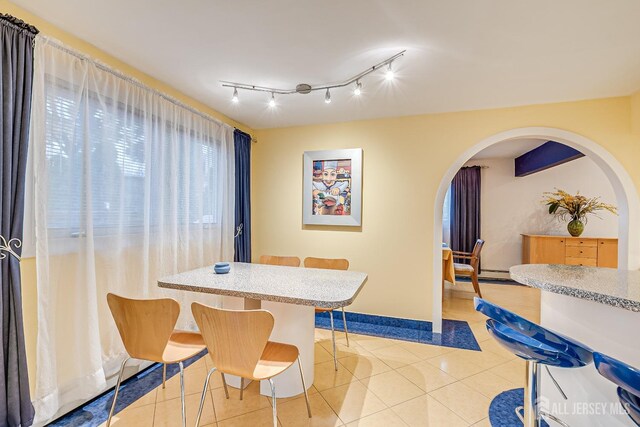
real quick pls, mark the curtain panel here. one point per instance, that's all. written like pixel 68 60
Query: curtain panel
pixel 16 69
pixel 128 186
pixel 465 209
pixel 242 142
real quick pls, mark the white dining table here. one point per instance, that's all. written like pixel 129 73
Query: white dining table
pixel 289 293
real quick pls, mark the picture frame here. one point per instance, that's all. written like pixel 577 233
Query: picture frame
pixel 332 187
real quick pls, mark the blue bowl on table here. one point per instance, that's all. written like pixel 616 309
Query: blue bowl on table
pixel 221 267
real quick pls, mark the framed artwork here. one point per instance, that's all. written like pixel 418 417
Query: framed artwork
pixel 332 187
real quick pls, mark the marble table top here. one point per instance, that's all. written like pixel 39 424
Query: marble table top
pixel 618 288
pixel 293 285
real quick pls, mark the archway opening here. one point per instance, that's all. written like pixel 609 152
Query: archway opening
pixel 623 187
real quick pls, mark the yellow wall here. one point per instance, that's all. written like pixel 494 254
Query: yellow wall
pixel 635 112
pixel 28 265
pixel 404 162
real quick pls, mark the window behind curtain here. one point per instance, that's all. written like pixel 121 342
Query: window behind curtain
pixel 119 152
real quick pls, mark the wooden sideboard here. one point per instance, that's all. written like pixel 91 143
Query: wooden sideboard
pixel 589 251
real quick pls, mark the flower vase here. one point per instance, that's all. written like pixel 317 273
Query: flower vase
pixel 575 228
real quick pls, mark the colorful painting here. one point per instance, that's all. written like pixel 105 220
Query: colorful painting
pixel 331 187
pixel 332 192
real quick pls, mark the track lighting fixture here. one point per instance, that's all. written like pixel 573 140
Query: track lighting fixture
pixel 304 88
pixel 358 90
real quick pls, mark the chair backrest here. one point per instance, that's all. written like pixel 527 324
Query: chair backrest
pixel 235 338
pixel 145 326
pixel 286 261
pixel 475 253
pixel 326 263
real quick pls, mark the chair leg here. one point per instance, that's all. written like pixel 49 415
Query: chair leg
pixel 476 285
pixel 117 389
pixel 273 403
pixel 184 409
pixel 241 388
pixel 224 383
pixel 204 394
pixel 164 375
pixel 344 322
pixel 333 339
pixel 304 387
pixel 531 393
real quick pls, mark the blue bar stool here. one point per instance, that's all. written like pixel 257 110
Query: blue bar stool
pixel 537 346
pixel 627 378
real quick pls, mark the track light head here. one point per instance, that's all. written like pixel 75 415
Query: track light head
pixel 234 98
pixel 389 74
pixel 272 101
pixel 327 97
pixel 358 90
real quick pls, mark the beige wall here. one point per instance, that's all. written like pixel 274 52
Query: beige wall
pixel 28 265
pixel 404 162
pixel 635 112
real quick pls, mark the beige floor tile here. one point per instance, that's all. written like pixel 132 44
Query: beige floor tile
pixel 293 413
pixel 489 383
pixel 233 407
pixel 395 356
pixel 147 399
pixel 384 418
pixel 392 388
pixel 259 418
pixel 464 363
pixel 373 343
pixel 321 354
pixel 140 416
pixel 483 423
pixel 326 377
pixel 514 371
pixel 169 412
pixel 426 376
pixel 479 330
pixel 193 383
pixel 465 402
pixel 342 350
pixel 364 366
pixel 425 351
pixel 352 401
pixel 425 411
pixel 495 348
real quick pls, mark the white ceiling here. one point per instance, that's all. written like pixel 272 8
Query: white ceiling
pixel 509 149
pixel 461 54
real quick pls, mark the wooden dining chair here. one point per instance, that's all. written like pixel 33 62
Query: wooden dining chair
pixel 470 270
pixel 285 261
pixel 330 264
pixel 238 343
pixel 146 328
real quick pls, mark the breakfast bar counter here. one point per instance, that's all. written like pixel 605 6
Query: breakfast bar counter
pixel 599 307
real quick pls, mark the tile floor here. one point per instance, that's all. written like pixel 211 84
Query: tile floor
pixel 380 382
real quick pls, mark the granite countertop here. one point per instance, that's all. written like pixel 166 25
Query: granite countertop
pixel 293 285
pixel 618 288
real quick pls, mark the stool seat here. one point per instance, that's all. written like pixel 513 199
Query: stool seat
pixel 529 348
pixel 626 377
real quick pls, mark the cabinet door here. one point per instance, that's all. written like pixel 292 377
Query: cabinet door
pixel 608 253
pixel 546 250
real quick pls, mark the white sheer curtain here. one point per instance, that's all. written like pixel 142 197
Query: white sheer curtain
pixel 446 218
pixel 128 186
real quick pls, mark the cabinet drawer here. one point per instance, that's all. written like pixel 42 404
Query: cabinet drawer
pixel 582 252
pixel 576 241
pixel 590 262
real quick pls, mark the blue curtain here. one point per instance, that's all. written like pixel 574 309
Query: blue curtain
pixel 242 241
pixel 16 71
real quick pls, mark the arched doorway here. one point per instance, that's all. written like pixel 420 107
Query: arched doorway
pixel 626 195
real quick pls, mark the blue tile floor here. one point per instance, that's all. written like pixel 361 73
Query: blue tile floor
pixel 455 333
pixel 502 412
pixel 96 412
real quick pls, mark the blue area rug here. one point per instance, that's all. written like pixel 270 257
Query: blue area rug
pixel 96 411
pixel 502 412
pixel 455 333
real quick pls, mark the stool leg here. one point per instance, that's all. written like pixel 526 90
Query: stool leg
pixel 531 394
